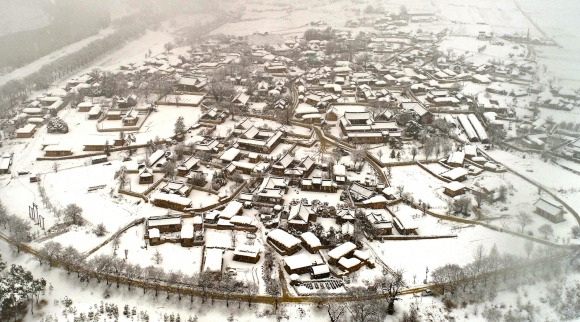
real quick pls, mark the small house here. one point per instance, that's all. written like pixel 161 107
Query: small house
pixel 171 201
pixel 454 189
pixel 340 251
pixel 145 176
pixel 233 208
pixel 283 242
pixel 165 224
pixel 549 210
pixel 456 174
pixel 26 131
pixel 154 236
pixel 247 254
pixel 456 159
pixel 310 242
pixel 187 236
pixel 350 264
pixel 297 264
pixel 405 224
pixel 58 150
pixel 320 271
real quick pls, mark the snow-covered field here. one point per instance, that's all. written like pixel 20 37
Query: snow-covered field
pixel 415 256
pixel 566 184
pixel 422 186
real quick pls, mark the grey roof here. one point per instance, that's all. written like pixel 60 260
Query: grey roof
pixel 548 207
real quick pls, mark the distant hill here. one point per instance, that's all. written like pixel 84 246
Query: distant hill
pixel 22 15
pixel 34 28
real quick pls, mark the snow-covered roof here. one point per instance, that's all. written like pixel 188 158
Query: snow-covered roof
pixel 347 228
pixel 26 129
pixel 298 261
pixel 163 221
pixel 455 173
pixel 247 250
pixel 311 239
pixel 155 156
pixel 230 154
pixel 284 238
pixel 360 190
pixel 349 262
pixel 299 213
pixel 231 209
pixel 187 231
pixel 241 220
pixel 320 269
pixel 306 109
pixel 548 207
pixel 375 199
pixel 406 220
pixel 456 157
pixel 154 233
pixel 173 198
pixel 470 150
pixel 454 186
pixel 58 147
pixel 361 254
pixel 341 250
pixel 339 170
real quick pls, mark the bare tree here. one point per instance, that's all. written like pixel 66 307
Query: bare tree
pixel 157 257
pixel 462 205
pixel 529 247
pixel 219 87
pixel 479 197
pixel 72 214
pixel 392 283
pixel 428 147
pixel 179 126
pixel 336 312
pixel 524 219
pixel 366 311
pixel 51 251
pixel 359 154
pixel 546 229
pixel 251 291
pixel 133 272
pixel 448 275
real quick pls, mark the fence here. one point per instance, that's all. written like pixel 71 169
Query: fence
pixel 570 209
pixel 124 129
pixel 219 204
pixel 432 173
pixel 88 155
pixel 115 235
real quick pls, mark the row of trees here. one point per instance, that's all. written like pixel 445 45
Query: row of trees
pixel 18 228
pixel 56 69
pixel 71 260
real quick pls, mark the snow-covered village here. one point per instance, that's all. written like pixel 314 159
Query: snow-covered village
pixel 336 160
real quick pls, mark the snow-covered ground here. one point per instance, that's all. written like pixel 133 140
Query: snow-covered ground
pixel 62 52
pixel 565 184
pixel 422 186
pixel 415 256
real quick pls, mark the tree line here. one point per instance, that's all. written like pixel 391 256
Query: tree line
pixel 16 88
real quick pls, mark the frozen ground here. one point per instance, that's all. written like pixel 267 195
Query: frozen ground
pixel 422 186
pixel 414 256
pixel 566 184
